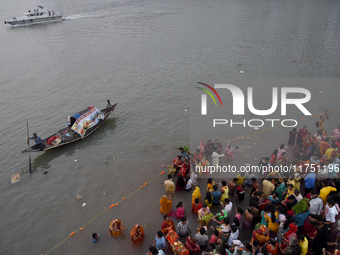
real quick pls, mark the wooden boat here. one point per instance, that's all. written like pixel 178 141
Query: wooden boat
pixel 69 135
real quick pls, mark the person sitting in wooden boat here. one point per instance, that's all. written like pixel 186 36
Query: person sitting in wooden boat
pixel 109 106
pixel 39 143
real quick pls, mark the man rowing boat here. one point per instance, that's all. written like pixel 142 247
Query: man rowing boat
pixel 39 143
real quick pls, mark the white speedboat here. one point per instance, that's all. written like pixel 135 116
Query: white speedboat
pixel 36 16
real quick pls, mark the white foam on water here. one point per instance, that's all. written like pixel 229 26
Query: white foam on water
pixel 83 16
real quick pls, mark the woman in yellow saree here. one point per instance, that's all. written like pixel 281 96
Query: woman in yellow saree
pixel 196 194
pixel 260 233
pixel 116 228
pixel 210 184
pixel 166 204
pixel 208 199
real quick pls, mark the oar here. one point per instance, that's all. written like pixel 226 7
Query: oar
pixel 29 151
pixel 116 107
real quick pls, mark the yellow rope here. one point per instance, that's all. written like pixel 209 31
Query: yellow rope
pixel 58 245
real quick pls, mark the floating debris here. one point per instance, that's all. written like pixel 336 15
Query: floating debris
pixel 78 197
pixel 15 178
pixel 241 71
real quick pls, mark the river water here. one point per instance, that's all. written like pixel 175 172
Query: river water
pixel 147 56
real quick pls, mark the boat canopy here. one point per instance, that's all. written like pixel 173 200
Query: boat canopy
pixel 87 120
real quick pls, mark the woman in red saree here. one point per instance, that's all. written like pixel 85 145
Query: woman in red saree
pixel 272 247
pixel 324 136
pixel 291 232
pixel 137 234
pixel 192 246
pixel 310 226
pixel 306 141
pixel 196 206
pixel 177 162
pixel 167 224
pixel 324 145
pixel 183 171
pixel 273 157
pixel 184 168
pixel 172 236
pixel 229 152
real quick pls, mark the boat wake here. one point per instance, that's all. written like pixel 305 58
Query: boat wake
pixel 82 16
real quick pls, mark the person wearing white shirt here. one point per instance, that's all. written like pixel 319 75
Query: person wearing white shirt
pixel 317 139
pixel 332 211
pixel 201 238
pixel 188 185
pixel 323 172
pixel 314 160
pixel 228 206
pixel 297 195
pixel 155 251
pixel 216 158
pixel 335 160
pixel 316 203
